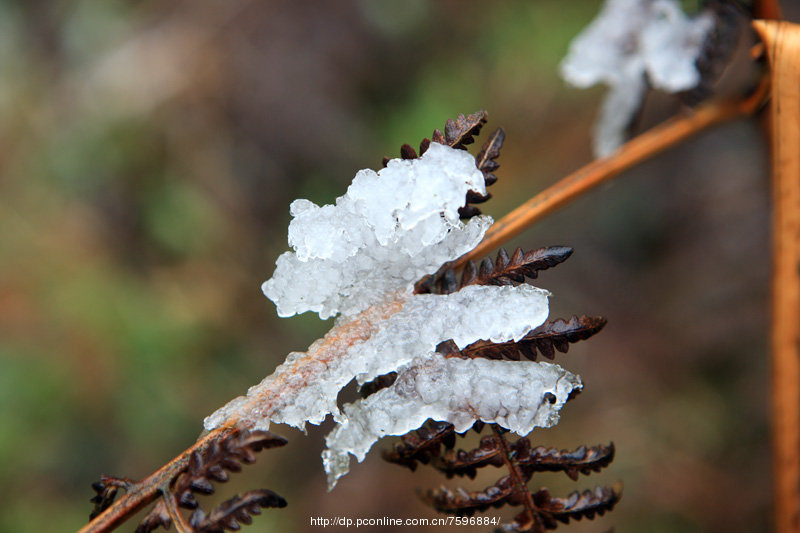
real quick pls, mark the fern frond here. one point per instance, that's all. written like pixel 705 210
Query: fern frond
pixel 106 492
pixel 458 133
pixel 552 336
pixel 156 518
pixel 238 510
pixel 210 465
pixel 583 460
pixel 576 506
pixel 504 270
pixel 485 160
pixel 422 445
pixel 214 463
pixel 462 503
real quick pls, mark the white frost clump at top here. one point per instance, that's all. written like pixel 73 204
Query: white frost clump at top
pixel 631 43
pixel 516 395
pixel 390 229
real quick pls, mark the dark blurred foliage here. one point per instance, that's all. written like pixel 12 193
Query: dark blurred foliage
pixel 148 154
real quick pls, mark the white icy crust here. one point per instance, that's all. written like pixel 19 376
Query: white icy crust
pixel 389 230
pixel 630 43
pixel 381 340
pixel 459 391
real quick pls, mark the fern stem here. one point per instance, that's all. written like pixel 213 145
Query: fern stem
pixel 520 484
pixel 149 489
pixel 177 518
pixel 635 151
pixel 782 41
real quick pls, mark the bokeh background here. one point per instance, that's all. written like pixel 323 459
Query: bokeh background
pixel 148 154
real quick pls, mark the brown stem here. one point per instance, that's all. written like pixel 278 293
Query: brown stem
pixel 174 513
pixel 782 41
pixel 635 151
pixel 149 489
pixel 519 482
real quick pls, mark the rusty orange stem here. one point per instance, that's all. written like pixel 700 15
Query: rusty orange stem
pixel 782 40
pixel 635 151
pixel 149 489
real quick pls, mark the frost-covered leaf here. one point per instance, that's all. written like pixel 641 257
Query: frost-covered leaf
pixel 391 228
pixel 632 43
pixel 383 339
pixel 459 391
pixel 361 258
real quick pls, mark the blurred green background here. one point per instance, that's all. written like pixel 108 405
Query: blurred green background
pixel 149 152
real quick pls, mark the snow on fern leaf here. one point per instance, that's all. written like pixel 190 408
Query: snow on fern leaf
pixel 390 229
pixel 384 339
pixel 518 395
pixel 633 43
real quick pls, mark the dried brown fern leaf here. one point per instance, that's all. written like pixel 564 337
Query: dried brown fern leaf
pixel 490 151
pixel 521 459
pixel 459 502
pixel 212 464
pixel 540 511
pixel 106 492
pixel 552 336
pixel 466 463
pixel 425 444
pixel 584 460
pixel 504 270
pixel 407 152
pixel 157 517
pixel 458 133
pixel 461 131
pixel 238 510
pixel 487 164
pixel 381 382
pixel 422 445
pixel 576 506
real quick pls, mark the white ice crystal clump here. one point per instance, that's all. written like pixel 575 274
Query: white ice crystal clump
pixel 460 391
pixel 631 43
pixel 391 228
pixel 384 339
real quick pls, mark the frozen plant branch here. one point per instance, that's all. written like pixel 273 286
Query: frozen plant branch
pixel 384 339
pixel 361 257
pixel 630 46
